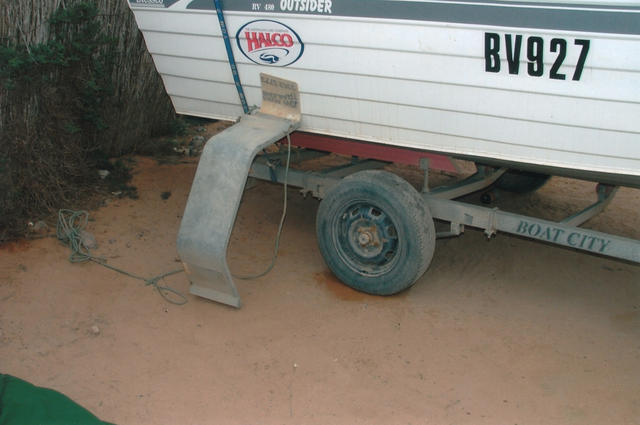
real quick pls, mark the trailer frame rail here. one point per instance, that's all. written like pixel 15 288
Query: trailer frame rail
pixel 443 205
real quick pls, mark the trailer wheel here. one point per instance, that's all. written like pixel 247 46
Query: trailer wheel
pixel 375 232
pixel 517 181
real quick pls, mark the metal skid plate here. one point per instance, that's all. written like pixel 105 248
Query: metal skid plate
pixel 280 97
pixel 217 189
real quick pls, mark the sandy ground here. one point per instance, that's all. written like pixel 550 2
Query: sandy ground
pixel 506 331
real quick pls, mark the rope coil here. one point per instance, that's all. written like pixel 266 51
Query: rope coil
pixel 70 231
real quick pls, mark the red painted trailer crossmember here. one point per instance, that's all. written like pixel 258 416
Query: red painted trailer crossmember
pixel 367 150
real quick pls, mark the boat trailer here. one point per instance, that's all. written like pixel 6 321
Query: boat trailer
pixel 375 231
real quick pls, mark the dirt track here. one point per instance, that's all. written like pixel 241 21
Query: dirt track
pixel 505 331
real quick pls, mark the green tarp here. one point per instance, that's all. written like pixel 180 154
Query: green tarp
pixel 22 403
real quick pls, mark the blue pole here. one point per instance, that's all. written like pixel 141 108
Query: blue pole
pixel 232 61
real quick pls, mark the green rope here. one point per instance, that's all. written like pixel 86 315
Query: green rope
pixel 70 230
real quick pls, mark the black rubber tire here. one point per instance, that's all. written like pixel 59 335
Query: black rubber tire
pixel 517 181
pixel 375 232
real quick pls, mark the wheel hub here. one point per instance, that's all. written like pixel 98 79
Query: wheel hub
pixel 368 239
pixel 368 236
pixel 364 238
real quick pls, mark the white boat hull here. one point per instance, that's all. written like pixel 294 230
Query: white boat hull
pixel 543 86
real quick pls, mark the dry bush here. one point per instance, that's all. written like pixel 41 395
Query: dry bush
pixel 76 87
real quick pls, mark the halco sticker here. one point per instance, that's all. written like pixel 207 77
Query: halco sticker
pixel 268 42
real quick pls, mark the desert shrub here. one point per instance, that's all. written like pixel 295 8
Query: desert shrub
pixel 63 109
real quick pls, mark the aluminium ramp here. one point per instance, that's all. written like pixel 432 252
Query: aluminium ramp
pixel 214 200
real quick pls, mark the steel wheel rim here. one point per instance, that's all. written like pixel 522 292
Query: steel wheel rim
pixel 366 238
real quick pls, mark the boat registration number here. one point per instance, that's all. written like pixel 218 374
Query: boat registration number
pixel 510 48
